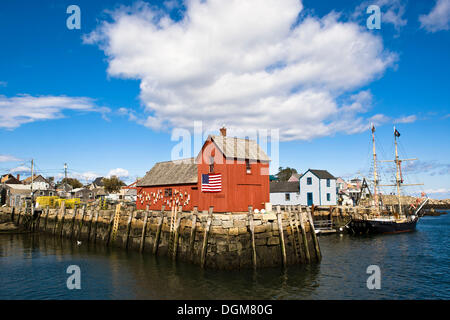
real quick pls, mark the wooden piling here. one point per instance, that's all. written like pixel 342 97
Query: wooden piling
pixel 158 232
pixel 291 225
pixel 299 237
pixel 144 230
pixel 176 235
pixel 72 224
pixel 46 218
pixel 205 238
pixel 192 237
pixel 63 213
pixel 95 224
pixel 281 233
pixel 83 213
pixel 55 227
pixel 110 227
pixel 18 216
pixel 130 220
pixel 91 217
pixel 252 234
pixel 314 236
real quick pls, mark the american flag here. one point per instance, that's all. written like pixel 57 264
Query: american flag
pixel 211 182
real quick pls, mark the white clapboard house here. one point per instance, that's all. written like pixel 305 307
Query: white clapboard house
pixel 317 187
pixel 284 193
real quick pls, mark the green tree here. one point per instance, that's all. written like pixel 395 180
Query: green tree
pixel 113 184
pixel 285 173
pixel 73 182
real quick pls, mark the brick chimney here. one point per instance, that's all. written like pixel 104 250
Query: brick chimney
pixel 18 176
pixel 223 131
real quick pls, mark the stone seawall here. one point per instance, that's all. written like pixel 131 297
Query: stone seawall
pixel 216 241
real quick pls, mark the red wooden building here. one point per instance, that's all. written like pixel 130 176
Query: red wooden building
pixel 229 174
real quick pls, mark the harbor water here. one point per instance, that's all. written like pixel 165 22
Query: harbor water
pixel 413 266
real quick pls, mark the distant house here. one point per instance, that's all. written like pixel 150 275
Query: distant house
pixel 317 187
pixel 294 177
pixel 14 195
pixel 284 193
pixel 38 181
pixel 10 179
pixel 97 183
pixel 84 194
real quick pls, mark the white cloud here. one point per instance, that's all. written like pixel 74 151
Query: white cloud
pixel 439 17
pixel 8 158
pixel 21 109
pixel 247 64
pixel 437 191
pixel 20 169
pixel 118 172
pixel 392 11
pixel 407 119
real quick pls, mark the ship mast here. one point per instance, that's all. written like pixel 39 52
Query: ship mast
pixel 375 175
pixel 398 178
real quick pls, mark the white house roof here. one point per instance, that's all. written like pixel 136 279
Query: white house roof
pixel 19 186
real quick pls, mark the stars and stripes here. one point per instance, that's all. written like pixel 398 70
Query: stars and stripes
pixel 212 182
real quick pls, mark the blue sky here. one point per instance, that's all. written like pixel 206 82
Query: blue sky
pixel 106 98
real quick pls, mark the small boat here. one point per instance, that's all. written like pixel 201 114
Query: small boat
pixel 395 219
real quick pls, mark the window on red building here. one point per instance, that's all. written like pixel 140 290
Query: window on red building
pixel 211 164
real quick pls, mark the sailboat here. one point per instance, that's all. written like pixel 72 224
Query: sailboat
pixel 389 219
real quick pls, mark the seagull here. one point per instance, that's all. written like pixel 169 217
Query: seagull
pixel 78 243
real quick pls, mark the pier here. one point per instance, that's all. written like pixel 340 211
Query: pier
pixel 284 237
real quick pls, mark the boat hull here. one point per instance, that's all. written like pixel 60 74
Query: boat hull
pixel 379 227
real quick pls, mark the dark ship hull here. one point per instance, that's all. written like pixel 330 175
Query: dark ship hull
pixel 374 226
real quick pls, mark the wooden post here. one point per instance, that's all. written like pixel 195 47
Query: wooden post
pixel 314 236
pixel 91 216
pixel 193 229
pixel 305 239
pixel 63 209
pixel 72 226
pixel 177 234
pixel 144 230
pixel 205 238
pixel 83 213
pixel 299 240
pixel 281 233
pixel 158 232
pixel 95 225
pixel 46 218
pixel 130 220
pixel 12 214
pixel 110 227
pixel 252 234
pixel 55 227
pixel 291 225
pixel 18 216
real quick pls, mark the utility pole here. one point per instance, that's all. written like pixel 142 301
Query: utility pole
pixel 65 177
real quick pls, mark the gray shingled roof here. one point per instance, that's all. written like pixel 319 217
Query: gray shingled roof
pixel 171 172
pixel 284 186
pixel 322 174
pixel 239 148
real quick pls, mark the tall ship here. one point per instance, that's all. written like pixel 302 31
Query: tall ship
pixel 382 218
